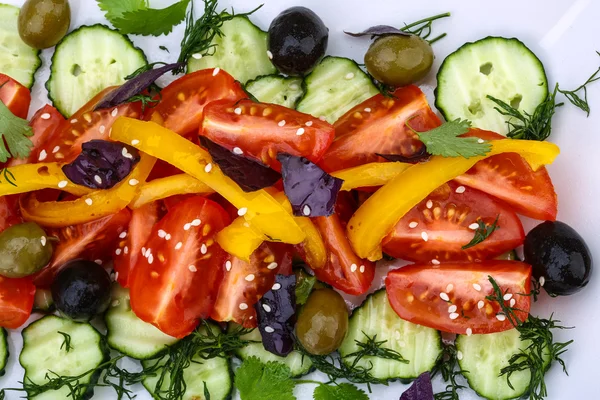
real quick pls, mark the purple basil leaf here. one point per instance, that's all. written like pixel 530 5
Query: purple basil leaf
pixel 420 156
pixel 379 30
pixel 250 175
pixel 311 191
pixel 134 86
pixel 102 164
pixel 276 314
pixel 421 389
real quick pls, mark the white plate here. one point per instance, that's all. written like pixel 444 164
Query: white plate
pixel 563 33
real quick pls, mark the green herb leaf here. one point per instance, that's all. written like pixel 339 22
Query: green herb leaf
pixel 206 392
pixel 67 342
pixel 445 141
pixel 257 381
pixel 423 27
pixel 134 16
pixel 9 177
pixel 575 99
pixel 482 232
pixel 304 288
pixel 14 133
pixel 116 8
pixel 343 391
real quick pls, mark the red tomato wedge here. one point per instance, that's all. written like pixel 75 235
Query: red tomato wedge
pixel 83 126
pixel 94 240
pixel 261 131
pixel 132 241
pixel 16 301
pixel 378 126
pixel 183 101
pixel 427 295
pixel 510 178
pixel 245 283
pixel 10 212
pixel 15 96
pixel 444 222
pixel 175 283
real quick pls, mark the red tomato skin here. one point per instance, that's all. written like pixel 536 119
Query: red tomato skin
pixel 15 96
pixel 10 212
pixel 262 131
pixel 174 287
pixel 510 178
pixel 183 101
pixel 16 301
pixel 446 216
pixel 414 293
pixel 378 125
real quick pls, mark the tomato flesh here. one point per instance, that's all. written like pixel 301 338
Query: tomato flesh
pixel 15 96
pixel 16 301
pixel 176 283
pixel 417 293
pixel 447 219
pixel 378 126
pixel 183 101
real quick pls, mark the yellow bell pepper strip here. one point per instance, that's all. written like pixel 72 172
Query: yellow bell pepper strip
pixel 380 213
pixel 95 205
pixel 31 177
pixel 166 187
pixel 369 175
pixel 258 208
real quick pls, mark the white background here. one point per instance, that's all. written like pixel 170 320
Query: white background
pixel 563 33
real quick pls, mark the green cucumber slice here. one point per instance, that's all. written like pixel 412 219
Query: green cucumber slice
pixel 276 89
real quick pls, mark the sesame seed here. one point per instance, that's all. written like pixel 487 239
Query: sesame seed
pixel 43 155
pixel 216 71
pixel 203 249
pixel 228 265
pixel 281 123
pixel 55 149
pixel 238 111
pixel 269 54
pixel 452 308
pixel 98 179
pixel 268 329
pixel 309 123
pixel 196 222
pixel 168 237
pixel 89 202
pixel 542 281
pixel 454 315
pixel 501 317
pixel 300 132
pixel 208 168
pixel 238 151
pixel 102 129
pixel 425 236
pixel 114 112
pixel 450 287
pixel 413 225
pixel 507 296
pixel 197 56
pixel 353 268
pixel 242 211
pixel 144 251
pixel 161 233
pixel 178 245
pixel 126 154
pixel 349 75
pixel 477 287
pixel 469 331
pixel 362 269
pixel 249 277
pixel 480 141
pixel 126 250
pixel 118 252
pixel 43 240
pixel 512 302
pixel 480 304
pixel 266 307
pixel 133 182
pixel 45 116
pixel 474 226
pixel 135 142
pixel 294 86
pixel 276 286
pixel 123 235
pixel 460 189
pixel 306 210
pixel 459 355
pixel 193 268
pixel 243 306
pixel 273 265
pixel 444 296
pixel 99 262
pixel 187 227
pixel 62 184
pixel 74 121
pixel 150 258
pixel 367 109
pixel 429 204
pixel 435 262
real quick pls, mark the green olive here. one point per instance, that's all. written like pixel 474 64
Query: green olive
pixel 399 60
pixel 43 23
pixel 24 250
pixel 323 322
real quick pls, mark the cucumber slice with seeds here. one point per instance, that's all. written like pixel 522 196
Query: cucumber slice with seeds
pixel 335 86
pixel 88 60
pixel 503 68
pixel 241 51
pixel 19 61
pixel 276 89
pixel 3 350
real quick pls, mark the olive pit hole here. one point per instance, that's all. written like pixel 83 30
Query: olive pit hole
pixel 76 70
pixel 474 108
pixel 486 68
pixel 515 102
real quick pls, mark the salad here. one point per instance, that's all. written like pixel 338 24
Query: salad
pixel 214 228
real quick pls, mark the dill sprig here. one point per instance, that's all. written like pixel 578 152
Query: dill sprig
pixel 66 342
pixel 482 232
pixel 539 354
pixel 374 348
pixel 8 176
pixel 447 366
pixel 199 35
pixel 422 28
pixel 575 99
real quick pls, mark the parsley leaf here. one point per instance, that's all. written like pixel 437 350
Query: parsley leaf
pixel 271 381
pixel 343 391
pixel 134 16
pixel 14 133
pixel 482 232
pixel 445 141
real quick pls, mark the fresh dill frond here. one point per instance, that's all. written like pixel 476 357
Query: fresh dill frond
pixel 9 177
pixel 482 232
pixel 422 28
pixel 66 344
pixel 575 98
pixel 447 366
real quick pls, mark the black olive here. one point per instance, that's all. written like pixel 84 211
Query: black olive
pixel 81 290
pixel 560 258
pixel 297 40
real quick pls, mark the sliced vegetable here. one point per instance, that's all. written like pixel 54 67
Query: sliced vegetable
pixel 276 89
pixel 3 350
pixel 9 212
pixel 16 301
pixel 32 177
pixel 162 188
pixel 369 175
pixel 452 297
pixel 15 96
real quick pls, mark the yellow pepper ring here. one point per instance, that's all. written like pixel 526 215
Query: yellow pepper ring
pixel 369 175
pixel 31 177
pixel 377 216
pixel 166 187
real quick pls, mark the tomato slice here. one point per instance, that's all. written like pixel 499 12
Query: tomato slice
pixel 10 212
pixel 15 96
pixel 418 294
pixel 94 241
pixel 510 178
pixel 132 241
pixel 176 283
pixel 16 301
pixel 378 126
pixel 83 126
pixel 437 228
pixel 245 283
pixel 183 101
pixel 262 131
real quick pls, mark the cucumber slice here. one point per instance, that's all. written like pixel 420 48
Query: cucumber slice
pixel 216 372
pixel 3 350
pixel 294 360
pixel 276 89
pixel 88 60
pixel 241 51
pixel 335 86
pixel 44 351
pixel 503 68
pixel 420 345
pixel 129 334
pixel 19 61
